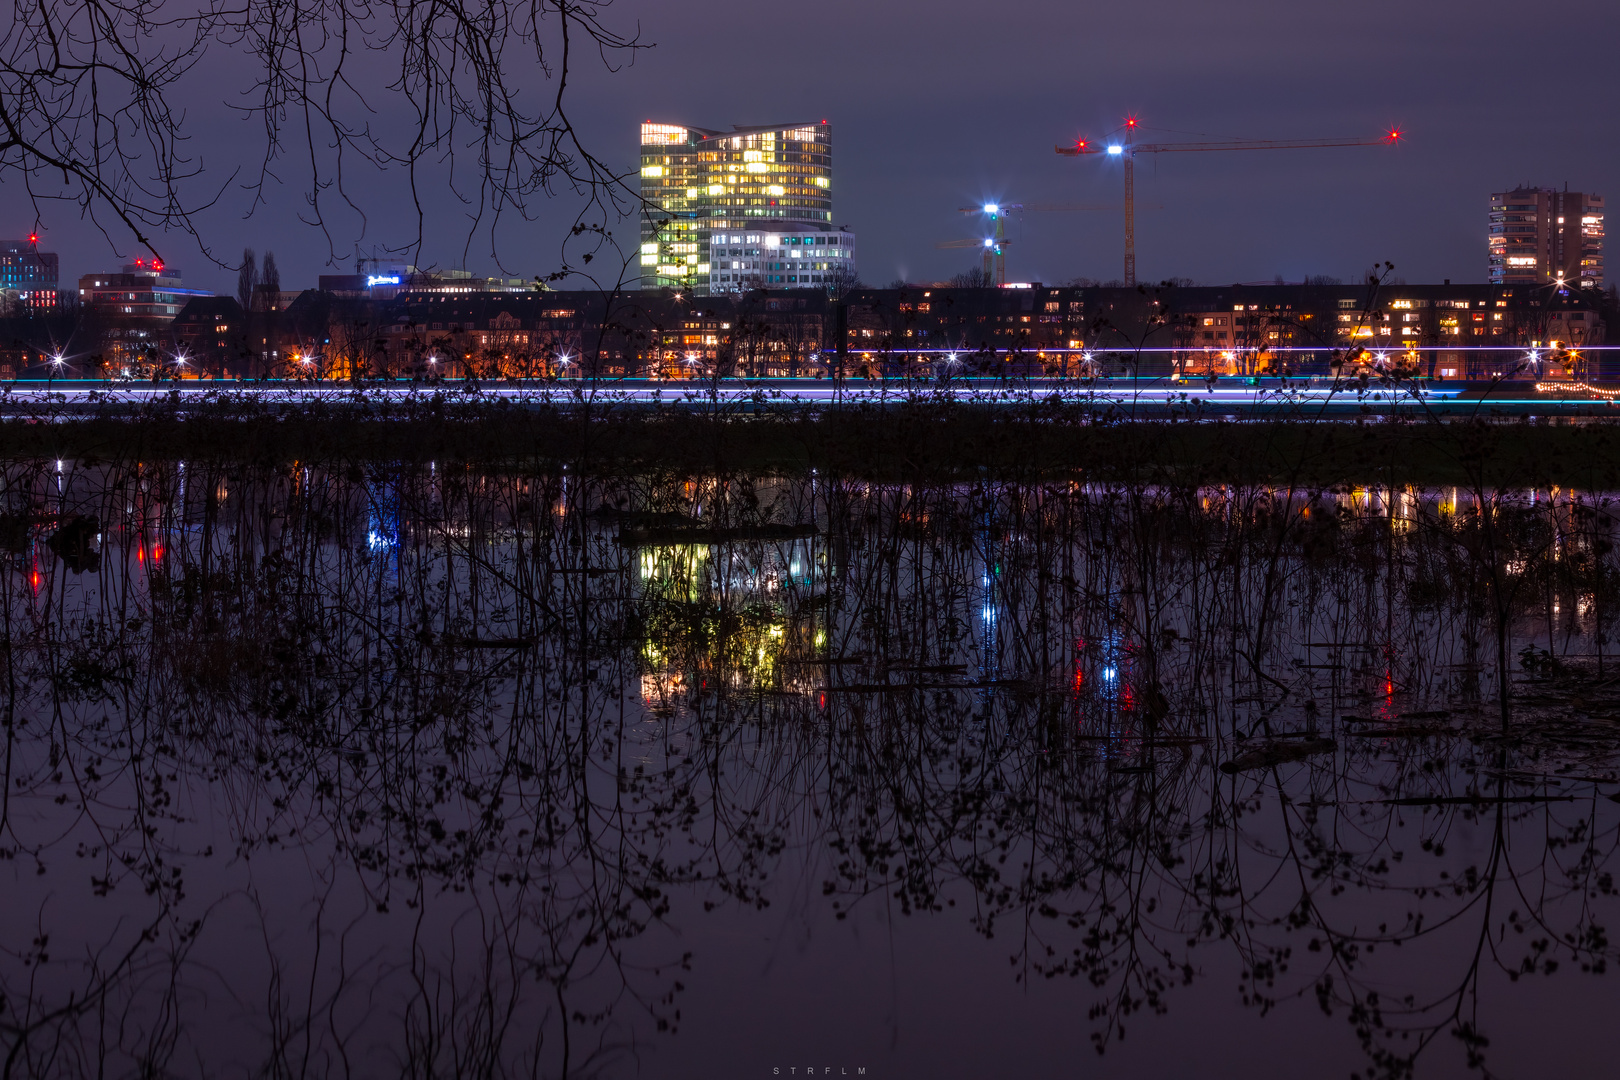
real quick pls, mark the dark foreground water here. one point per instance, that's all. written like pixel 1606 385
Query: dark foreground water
pixel 364 772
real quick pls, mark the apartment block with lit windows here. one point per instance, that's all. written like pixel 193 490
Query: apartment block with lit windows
pixel 728 211
pixel 135 309
pixel 1540 236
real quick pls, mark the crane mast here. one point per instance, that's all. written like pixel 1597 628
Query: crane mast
pixel 1127 148
pixel 1130 203
pixel 995 272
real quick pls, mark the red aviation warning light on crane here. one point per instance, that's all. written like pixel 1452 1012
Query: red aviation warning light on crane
pixel 1125 147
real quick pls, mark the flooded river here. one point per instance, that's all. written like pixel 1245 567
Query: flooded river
pixel 433 772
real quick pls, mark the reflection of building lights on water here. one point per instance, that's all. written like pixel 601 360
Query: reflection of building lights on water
pixel 660 689
pixel 1110 674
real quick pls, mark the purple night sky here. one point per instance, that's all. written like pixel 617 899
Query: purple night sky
pixel 943 104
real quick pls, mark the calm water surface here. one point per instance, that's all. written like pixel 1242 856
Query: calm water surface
pixel 433 772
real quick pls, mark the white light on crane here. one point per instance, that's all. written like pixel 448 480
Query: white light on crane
pixel 1137 149
pixel 991 208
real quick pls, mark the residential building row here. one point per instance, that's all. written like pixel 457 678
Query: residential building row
pixel 1446 331
pixel 426 334
pixel 1464 332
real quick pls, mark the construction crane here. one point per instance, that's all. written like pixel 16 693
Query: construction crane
pixel 1127 148
pixel 995 245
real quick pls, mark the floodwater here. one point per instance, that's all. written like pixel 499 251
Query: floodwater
pixel 429 772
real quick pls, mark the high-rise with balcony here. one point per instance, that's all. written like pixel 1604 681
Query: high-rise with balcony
pixel 1539 236
pixel 730 210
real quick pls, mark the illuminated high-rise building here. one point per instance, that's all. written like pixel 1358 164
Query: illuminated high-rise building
pixel 746 208
pixel 27 274
pixel 1541 235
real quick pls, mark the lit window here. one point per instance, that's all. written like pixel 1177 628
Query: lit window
pixel 662 134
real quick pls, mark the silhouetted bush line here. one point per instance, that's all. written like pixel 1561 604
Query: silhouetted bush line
pixel 914 442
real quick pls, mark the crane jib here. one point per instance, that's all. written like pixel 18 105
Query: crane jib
pixel 1127 148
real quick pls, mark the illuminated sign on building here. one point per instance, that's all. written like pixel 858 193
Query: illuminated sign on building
pixel 382 279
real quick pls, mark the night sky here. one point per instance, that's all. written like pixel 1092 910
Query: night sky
pixel 944 104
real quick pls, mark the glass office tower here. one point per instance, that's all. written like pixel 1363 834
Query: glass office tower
pixel 745 208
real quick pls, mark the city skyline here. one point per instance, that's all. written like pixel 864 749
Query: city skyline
pixel 969 109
